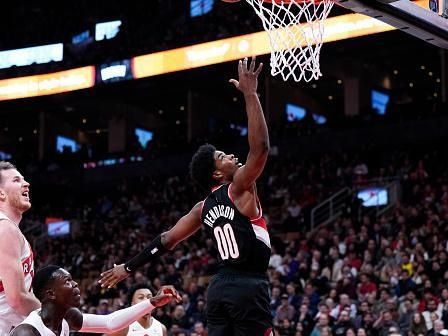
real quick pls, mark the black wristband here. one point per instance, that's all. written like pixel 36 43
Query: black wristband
pixel 152 251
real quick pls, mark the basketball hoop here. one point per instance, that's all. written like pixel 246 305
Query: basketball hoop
pixel 295 29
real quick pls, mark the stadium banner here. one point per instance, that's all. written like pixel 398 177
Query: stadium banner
pixel 336 28
pixel 47 84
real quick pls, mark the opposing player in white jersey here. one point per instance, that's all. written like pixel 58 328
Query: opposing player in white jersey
pixel 16 257
pixel 145 325
pixel 61 297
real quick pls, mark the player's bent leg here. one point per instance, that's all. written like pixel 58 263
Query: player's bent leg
pixel 223 329
pixel 255 330
pixel 252 315
pixel 218 321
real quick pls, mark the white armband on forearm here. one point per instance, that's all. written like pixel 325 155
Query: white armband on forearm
pixel 117 320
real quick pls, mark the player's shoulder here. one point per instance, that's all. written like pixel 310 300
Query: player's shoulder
pixel 9 230
pixel 74 318
pixel 157 324
pixel 25 330
pixel 197 208
pixel 156 321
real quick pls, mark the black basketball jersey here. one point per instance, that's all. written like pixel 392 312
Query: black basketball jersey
pixel 243 244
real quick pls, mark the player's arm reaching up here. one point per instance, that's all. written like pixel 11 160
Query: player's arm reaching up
pixel 243 186
pixel 258 136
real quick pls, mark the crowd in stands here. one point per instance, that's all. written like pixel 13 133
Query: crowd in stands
pixel 359 275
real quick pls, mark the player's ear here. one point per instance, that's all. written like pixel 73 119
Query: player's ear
pixel 50 294
pixel 2 194
pixel 217 174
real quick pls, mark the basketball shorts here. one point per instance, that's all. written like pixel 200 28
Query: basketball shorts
pixel 238 305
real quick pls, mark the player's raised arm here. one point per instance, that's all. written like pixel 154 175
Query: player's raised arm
pixel 184 228
pixel 258 135
pixel 20 298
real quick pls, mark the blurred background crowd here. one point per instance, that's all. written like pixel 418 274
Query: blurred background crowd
pixel 359 273
pixel 355 191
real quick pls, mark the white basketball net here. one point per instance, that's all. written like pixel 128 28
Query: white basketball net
pixel 295 32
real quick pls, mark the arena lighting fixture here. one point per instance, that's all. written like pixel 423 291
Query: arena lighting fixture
pixel 5 156
pixel 200 7
pixel 107 30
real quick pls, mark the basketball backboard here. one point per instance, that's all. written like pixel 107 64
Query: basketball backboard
pixel 412 17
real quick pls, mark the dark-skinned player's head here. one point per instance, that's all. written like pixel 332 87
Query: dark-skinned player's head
pixel 54 284
pixel 139 292
pixel 210 167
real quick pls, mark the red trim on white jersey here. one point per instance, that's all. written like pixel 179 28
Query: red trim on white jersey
pixel 8 316
pixel 268 332
pixel 27 267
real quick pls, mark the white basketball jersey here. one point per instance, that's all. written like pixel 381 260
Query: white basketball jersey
pixel 8 316
pixel 136 329
pixel 35 320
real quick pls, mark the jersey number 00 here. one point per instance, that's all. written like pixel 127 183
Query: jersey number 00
pixel 225 239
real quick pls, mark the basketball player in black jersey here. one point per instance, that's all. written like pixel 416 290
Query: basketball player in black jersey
pixel 237 298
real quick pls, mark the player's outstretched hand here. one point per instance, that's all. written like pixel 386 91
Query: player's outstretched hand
pixel 113 276
pixel 247 76
pixel 165 295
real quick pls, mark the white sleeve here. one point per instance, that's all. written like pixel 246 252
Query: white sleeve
pixel 117 320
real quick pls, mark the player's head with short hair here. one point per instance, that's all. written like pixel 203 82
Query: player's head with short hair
pixel 14 190
pixel 5 165
pixel 139 292
pixel 202 166
pixel 43 279
pixel 54 284
pixel 210 167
